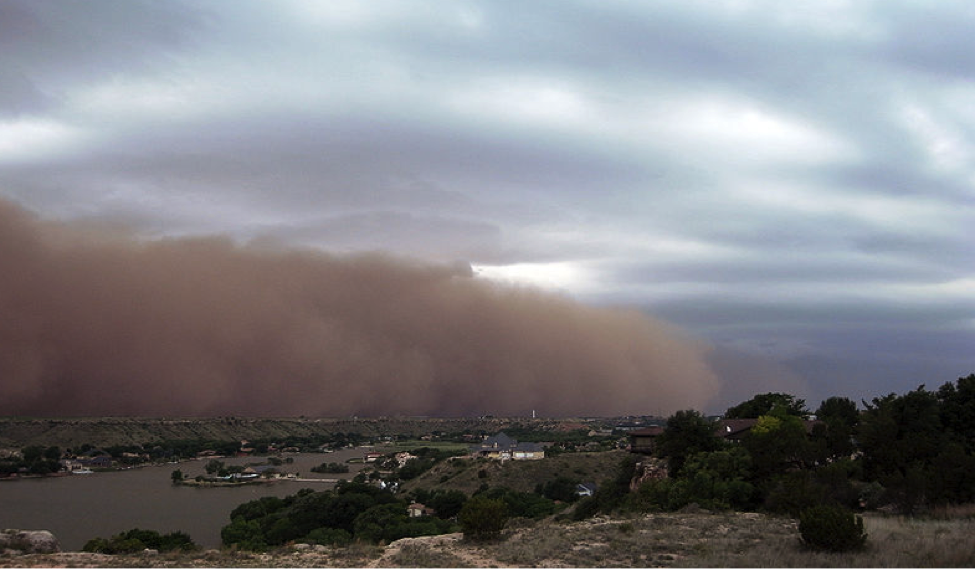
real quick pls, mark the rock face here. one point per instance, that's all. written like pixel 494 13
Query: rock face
pixel 648 469
pixel 29 541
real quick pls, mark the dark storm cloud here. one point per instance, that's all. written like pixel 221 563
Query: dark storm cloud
pixel 758 170
pixel 98 322
pixel 46 46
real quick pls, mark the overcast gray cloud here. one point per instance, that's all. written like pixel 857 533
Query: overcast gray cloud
pixel 794 182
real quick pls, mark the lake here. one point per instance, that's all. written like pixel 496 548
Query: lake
pixel 77 508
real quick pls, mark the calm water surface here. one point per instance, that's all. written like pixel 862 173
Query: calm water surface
pixel 77 508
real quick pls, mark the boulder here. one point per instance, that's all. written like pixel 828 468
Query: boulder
pixel 29 541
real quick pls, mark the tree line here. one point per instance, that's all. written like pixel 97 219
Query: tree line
pixel 904 453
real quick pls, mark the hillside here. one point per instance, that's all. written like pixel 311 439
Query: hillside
pixel 17 432
pixel 466 475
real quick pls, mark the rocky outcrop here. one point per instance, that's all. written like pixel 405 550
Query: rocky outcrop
pixel 648 469
pixel 28 541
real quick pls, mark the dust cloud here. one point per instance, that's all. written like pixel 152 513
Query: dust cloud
pixel 97 322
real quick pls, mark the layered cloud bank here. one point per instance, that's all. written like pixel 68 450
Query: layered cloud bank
pixel 99 322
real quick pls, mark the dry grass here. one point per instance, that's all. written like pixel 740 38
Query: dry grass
pixel 418 555
pixel 658 540
pixel 518 475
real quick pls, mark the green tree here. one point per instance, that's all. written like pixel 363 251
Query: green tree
pixel 716 479
pixel 176 476
pixel 32 454
pixel 380 523
pixel 135 540
pixel 482 518
pixel 245 534
pixel 259 508
pixel 331 468
pixel 688 432
pixel 52 453
pixel 953 474
pixel 521 504
pixel 764 403
pixel 841 417
pixel 902 438
pixel 831 528
pixel 839 409
pixel 341 511
pixel 215 467
pixel 561 488
pixel 957 404
pixel 447 503
pixel 328 536
pixel 777 443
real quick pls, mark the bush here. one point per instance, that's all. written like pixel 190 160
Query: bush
pixel 561 488
pixel 794 493
pixel 331 468
pixel 328 536
pixel 585 508
pixel 135 540
pixel 483 518
pixel 831 528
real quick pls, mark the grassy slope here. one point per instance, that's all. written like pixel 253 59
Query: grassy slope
pixel 519 475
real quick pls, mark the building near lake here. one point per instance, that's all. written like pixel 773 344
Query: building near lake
pixel 502 447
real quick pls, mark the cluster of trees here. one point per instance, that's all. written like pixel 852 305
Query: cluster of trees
pixel 920 446
pixel 331 468
pixel 561 488
pixel 356 511
pixel 136 540
pixel 352 511
pixel 907 452
pixel 32 460
pixel 169 450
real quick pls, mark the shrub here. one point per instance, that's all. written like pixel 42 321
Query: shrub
pixel 831 528
pixel 135 540
pixel 794 493
pixel 561 488
pixel 331 468
pixel 328 536
pixel 585 508
pixel 482 518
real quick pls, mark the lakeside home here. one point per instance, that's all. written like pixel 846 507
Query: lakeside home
pixel 502 447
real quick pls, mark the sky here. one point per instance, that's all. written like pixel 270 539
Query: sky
pixel 791 183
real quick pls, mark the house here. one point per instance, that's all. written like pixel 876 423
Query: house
pixel 265 470
pixel 100 461
pixel 417 510
pixel 503 447
pixel 71 465
pixel 586 489
pixel 735 429
pixel 242 475
pixel 372 456
pixel 403 457
pixel 642 440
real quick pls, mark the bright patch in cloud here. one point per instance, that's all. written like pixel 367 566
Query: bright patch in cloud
pixel 746 132
pixel 561 276
pixel 518 100
pixel 29 139
pixel 141 99
pixel 945 145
